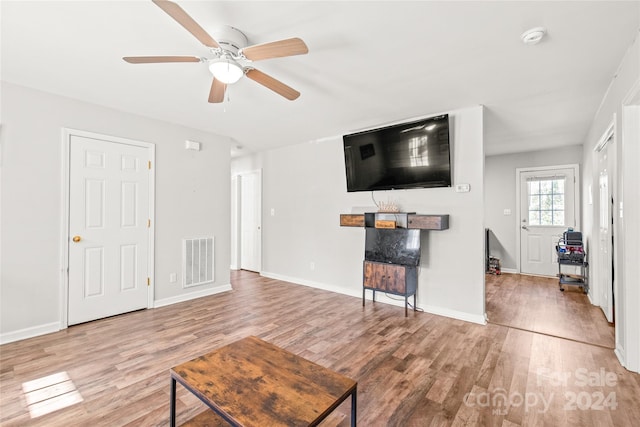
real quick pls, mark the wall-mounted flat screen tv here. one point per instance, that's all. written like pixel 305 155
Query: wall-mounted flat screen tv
pixel 407 155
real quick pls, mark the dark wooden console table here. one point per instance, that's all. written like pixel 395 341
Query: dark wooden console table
pixel 254 383
pixel 390 270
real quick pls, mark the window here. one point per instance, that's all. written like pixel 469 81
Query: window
pixel 419 151
pixel 546 201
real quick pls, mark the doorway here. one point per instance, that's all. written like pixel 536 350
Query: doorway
pixel 107 226
pixel 247 227
pixel 547 206
pixel 605 273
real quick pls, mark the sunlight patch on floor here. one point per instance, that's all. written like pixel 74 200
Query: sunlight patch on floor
pixel 51 393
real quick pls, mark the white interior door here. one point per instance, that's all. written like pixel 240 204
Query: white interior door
pixel 109 234
pixel 605 235
pixel 251 221
pixel 547 208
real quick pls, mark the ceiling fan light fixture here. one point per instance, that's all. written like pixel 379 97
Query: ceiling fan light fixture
pixel 226 70
pixel 534 35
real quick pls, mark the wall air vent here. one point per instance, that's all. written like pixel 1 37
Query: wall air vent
pixel 197 261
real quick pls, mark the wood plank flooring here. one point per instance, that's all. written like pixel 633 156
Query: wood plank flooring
pixel 423 370
pixel 536 304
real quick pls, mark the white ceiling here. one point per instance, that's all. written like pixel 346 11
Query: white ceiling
pixel 369 64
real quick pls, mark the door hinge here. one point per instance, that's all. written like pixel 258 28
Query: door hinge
pixel 149 164
pixel 149 223
pixel 148 281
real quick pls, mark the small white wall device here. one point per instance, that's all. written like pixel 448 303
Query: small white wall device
pixel 192 145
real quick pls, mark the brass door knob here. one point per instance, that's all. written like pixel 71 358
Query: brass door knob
pixel 76 238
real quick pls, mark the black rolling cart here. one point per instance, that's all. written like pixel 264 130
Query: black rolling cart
pixel 570 250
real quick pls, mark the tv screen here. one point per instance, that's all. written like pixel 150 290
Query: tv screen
pixel 407 155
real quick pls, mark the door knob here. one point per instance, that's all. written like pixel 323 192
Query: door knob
pixel 524 227
pixel 76 238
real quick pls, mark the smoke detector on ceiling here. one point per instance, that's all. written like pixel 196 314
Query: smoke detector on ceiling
pixel 534 35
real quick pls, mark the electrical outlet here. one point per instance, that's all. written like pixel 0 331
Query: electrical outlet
pixel 312 266
pixel 173 277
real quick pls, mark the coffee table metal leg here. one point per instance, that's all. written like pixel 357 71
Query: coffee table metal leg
pixel 354 404
pixel 172 413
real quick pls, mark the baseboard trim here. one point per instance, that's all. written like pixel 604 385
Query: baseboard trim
pixel 31 332
pixel 509 270
pixel 311 284
pixel 479 319
pixel 380 297
pixel 48 328
pixel 191 295
pixel 619 354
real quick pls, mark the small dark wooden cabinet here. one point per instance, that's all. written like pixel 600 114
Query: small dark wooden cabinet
pixel 392 279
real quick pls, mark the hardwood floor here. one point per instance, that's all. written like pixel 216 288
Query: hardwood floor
pixel 422 370
pixel 536 304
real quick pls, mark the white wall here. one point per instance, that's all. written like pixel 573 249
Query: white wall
pixel 627 313
pixel 305 185
pixel 192 200
pixel 500 194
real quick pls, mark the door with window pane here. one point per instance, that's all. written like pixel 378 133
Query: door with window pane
pixel 547 209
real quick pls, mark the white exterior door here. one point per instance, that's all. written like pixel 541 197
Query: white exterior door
pixel 547 209
pixel 109 234
pixel 250 221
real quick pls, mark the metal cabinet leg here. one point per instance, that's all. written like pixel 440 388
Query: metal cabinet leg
pixel 172 410
pixel 354 404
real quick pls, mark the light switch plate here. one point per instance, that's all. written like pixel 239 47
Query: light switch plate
pixel 463 188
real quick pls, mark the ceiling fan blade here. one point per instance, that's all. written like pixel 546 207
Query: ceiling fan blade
pixel 159 59
pixel 216 94
pixel 278 49
pixel 183 18
pixel 273 84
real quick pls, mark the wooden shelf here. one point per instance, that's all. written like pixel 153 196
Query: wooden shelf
pixel 422 222
pixel 350 220
pixel 429 222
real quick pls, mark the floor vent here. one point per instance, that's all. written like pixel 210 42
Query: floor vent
pixel 197 261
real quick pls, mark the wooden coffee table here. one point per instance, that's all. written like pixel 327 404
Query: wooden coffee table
pixel 254 383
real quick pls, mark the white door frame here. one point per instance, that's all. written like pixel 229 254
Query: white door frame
pixel 235 222
pixel 67 133
pixel 576 174
pixel 237 248
pixel 628 319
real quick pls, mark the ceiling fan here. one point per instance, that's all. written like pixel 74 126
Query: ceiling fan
pixel 229 49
